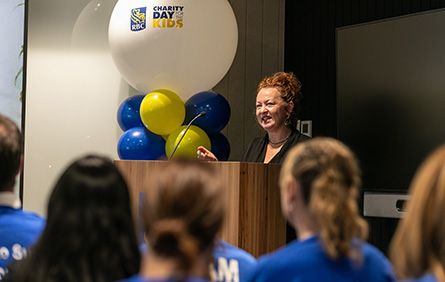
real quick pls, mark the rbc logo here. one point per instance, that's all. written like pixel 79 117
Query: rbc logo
pixel 138 18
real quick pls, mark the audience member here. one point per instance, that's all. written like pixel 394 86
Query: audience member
pixel 18 228
pixel 182 214
pixel 418 246
pixel 319 184
pixel 90 234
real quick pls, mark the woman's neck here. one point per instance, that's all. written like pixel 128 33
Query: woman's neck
pixel 279 135
pixel 304 222
pixel 156 267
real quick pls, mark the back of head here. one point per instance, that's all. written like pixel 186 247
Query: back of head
pixel 183 212
pixel 90 233
pixel 90 186
pixel 10 153
pixel 418 245
pixel 290 88
pixel 328 174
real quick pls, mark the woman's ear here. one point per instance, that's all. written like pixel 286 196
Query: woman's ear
pixel 292 191
pixel 290 107
pixel 288 196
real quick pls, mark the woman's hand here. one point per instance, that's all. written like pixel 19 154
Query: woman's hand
pixel 204 154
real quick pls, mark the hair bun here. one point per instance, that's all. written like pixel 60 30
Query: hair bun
pixel 170 237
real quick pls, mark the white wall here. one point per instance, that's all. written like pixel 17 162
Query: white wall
pixel 72 94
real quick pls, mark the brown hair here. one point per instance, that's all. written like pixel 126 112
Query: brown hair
pixel 183 212
pixel 418 245
pixel 290 89
pixel 329 176
pixel 10 152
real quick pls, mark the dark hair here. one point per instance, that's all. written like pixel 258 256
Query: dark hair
pixel 183 212
pixel 10 152
pixel 289 87
pixel 90 234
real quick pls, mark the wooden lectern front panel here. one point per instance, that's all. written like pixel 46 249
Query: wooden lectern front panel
pixel 253 219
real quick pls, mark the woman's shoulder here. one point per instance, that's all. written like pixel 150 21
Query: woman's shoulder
pixel 297 137
pixel 135 278
pixel 376 263
pixel 305 260
pixel 140 278
pixel 370 253
pixel 429 277
pixel 289 259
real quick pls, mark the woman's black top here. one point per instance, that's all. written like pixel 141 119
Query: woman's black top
pixel 256 151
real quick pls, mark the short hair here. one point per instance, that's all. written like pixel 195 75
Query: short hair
pixel 418 245
pixel 289 87
pixel 329 177
pixel 183 211
pixel 10 152
pixel 90 233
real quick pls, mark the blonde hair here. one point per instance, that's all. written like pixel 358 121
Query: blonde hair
pixel 183 211
pixel 418 245
pixel 329 177
pixel 289 87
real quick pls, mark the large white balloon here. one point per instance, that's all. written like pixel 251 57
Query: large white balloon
pixel 90 32
pixel 185 46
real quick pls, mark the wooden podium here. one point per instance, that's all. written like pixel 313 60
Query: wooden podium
pixel 253 219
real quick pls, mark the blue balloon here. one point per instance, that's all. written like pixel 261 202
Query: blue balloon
pixel 128 113
pixel 220 146
pixel 138 143
pixel 216 107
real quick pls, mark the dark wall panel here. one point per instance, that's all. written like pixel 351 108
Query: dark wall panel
pixel 260 52
pixel 310 52
pixel 310 46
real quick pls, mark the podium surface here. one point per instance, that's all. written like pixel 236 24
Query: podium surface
pixel 253 219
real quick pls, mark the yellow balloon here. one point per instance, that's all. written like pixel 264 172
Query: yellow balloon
pixel 162 111
pixel 188 147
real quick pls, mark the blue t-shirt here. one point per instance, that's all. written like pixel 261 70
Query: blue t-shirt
pixel 140 278
pixel 429 277
pixel 18 231
pixel 231 264
pixel 304 261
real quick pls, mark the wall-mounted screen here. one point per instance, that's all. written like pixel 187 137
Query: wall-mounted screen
pixel 391 95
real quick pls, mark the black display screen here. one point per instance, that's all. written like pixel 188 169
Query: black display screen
pixel 391 95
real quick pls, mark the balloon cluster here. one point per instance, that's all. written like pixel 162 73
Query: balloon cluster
pixel 154 123
pixel 185 46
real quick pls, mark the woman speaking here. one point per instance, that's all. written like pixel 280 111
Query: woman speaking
pixel 278 107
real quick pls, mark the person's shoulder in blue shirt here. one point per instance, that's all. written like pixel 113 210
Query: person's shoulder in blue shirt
pixel 306 261
pixel 19 229
pixel 231 263
pixel 429 277
pixel 140 278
